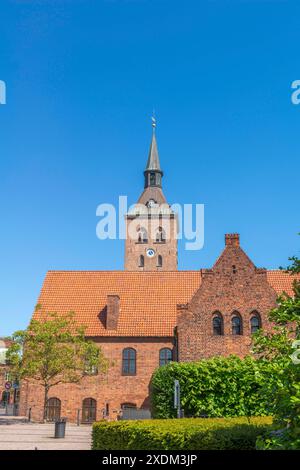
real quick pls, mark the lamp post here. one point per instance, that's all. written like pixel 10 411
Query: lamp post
pixel 177 398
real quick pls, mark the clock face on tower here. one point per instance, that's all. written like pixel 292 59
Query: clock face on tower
pixel 150 252
pixel 151 203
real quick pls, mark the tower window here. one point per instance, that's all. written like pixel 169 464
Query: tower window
pixel 236 325
pixel 234 270
pixel 141 261
pixel 142 235
pixel 152 179
pixel 159 261
pixel 160 235
pixel 217 324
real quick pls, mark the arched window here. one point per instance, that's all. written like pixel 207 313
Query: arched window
pixel 53 408
pixel 165 356
pixel 236 324
pixel 217 324
pixel 89 410
pixel 142 235
pixel 255 322
pixel 141 261
pixel 160 235
pixel 129 361
pixel 159 261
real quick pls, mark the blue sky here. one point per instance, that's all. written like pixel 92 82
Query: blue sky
pixel 82 79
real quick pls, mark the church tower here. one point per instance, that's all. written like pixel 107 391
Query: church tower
pixel 151 225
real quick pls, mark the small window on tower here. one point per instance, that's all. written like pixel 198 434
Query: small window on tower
pixel 142 235
pixel 152 179
pixel 141 261
pixel 159 261
pixel 160 235
pixel 234 270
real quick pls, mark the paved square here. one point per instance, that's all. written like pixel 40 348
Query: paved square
pixel 17 434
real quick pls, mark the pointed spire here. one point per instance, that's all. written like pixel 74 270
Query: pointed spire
pixel 153 158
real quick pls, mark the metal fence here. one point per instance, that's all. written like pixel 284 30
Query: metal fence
pixel 133 413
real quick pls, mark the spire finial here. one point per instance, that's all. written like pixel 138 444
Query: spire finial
pixel 153 119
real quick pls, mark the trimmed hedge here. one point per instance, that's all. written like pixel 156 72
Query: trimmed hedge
pixel 180 434
pixel 217 387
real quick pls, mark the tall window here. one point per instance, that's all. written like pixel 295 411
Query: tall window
pixel 141 261
pixel 142 235
pixel 159 261
pixel 160 235
pixel 236 325
pixel 255 322
pixel 129 361
pixel 165 356
pixel 89 410
pixel 217 324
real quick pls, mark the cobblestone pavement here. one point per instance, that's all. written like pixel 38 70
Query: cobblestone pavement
pixel 17 434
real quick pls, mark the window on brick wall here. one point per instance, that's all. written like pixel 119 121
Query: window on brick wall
pixel 142 235
pixel 255 322
pixel 129 361
pixel 165 356
pixel 236 324
pixel 89 410
pixel 217 324
pixel 141 261
pixel 159 261
pixel 160 235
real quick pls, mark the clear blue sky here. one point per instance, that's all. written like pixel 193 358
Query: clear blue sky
pixel 82 79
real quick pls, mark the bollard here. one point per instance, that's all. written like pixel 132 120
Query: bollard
pixel 29 415
pixel 78 417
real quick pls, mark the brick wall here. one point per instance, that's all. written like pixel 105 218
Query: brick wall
pixel 234 284
pixel 167 250
pixel 113 388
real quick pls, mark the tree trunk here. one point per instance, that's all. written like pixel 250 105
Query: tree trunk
pixel 46 387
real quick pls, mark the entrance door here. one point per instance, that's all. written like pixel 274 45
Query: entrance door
pixel 89 410
pixel 53 409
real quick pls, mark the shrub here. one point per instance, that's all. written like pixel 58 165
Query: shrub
pixel 180 434
pixel 217 387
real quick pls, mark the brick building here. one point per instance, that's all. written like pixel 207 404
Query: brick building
pixel 151 313
pixel 9 388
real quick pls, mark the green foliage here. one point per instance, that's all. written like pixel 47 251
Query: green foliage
pixel 179 434
pixel 217 387
pixel 52 351
pixel 278 346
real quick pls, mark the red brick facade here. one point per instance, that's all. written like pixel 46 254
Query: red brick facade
pixel 234 287
pixel 146 303
pixel 151 305
pixel 112 389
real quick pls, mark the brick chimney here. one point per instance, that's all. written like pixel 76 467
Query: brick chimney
pixel 232 239
pixel 112 312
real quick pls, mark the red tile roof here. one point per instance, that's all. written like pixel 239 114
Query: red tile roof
pixel 147 300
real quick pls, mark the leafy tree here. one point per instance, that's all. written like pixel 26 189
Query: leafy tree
pixel 54 350
pixel 282 348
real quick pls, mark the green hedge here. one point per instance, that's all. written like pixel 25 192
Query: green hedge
pixel 217 387
pixel 180 434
